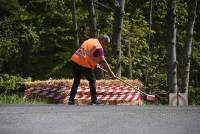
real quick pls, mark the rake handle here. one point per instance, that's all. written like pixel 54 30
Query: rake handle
pixel 148 96
pixel 131 86
pixel 124 82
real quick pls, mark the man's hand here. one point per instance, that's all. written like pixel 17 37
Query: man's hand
pixel 113 75
pixel 98 66
pixel 107 71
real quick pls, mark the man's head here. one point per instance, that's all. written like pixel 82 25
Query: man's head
pixel 104 40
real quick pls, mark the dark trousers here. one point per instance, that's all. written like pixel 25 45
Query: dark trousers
pixel 90 76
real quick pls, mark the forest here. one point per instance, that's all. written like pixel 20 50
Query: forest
pixel 155 41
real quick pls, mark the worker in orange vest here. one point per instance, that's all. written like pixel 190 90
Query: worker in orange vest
pixel 84 60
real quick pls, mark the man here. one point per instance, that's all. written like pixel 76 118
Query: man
pixel 84 60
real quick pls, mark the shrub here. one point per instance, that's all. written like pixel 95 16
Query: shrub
pixel 194 96
pixel 11 84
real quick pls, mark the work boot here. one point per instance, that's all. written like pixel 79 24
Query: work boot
pixel 96 102
pixel 71 102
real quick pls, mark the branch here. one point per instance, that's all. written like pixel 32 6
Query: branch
pixel 103 5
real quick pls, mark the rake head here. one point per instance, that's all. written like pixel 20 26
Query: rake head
pixel 150 97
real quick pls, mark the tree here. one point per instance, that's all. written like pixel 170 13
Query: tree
pixel 130 67
pixel 188 44
pixel 149 38
pixel 93 30
pixel 171 42
pixel 92 19
pixel 117 28
pixel 75 26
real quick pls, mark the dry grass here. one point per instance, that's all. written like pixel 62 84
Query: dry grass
pixel 68 82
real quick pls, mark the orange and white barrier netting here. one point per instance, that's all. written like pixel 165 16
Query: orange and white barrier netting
pixel 111 92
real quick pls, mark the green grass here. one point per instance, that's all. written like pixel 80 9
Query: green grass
pixel 19 99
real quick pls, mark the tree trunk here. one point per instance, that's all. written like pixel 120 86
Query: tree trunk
pixel 92 19
pixel 75 26
pixel 171 42
pixel 197 24
pixel 130 74
pixel 25 61
pixel 117 27
pixel 93 31
pixel 188 44
pixel 149 39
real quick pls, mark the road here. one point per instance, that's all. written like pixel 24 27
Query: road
pixel 64 119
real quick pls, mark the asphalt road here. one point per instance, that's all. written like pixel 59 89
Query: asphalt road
pixel 64 119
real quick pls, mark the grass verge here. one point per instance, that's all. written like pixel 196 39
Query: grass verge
pixel 19 99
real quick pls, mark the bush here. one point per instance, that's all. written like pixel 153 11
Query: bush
pixel 194 96
pixel 11 84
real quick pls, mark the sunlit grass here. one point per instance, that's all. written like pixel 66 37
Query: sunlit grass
pixel 19 99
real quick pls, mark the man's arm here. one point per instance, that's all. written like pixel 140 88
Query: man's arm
pixel 100 53
pixel 107 67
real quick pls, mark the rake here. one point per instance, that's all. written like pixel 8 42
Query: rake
pixel 149 97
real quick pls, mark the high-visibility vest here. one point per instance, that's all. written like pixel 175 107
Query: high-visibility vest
pixel 84 55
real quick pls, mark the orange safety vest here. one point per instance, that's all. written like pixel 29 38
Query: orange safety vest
pixel 84 55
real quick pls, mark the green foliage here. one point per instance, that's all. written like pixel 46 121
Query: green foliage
pixel 134 33
pixel 8 43
pixel 11 84
pixel 195 54
pixel 194 96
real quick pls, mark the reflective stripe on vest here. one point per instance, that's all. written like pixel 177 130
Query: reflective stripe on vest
pixel 84 55
pixel 88 53
pixel 81 53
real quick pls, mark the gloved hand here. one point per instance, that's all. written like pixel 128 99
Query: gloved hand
pixel 98 66
pixel 113 75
